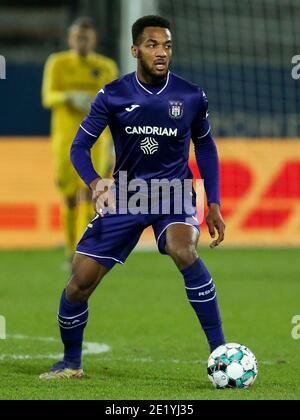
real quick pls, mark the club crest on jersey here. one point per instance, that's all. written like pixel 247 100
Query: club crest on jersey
pixel 96 72
pixel 176 109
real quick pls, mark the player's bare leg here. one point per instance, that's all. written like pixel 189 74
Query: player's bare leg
pixel 73 316
pixel 86 276
pixel 181 246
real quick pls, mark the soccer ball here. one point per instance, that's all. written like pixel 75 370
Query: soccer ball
pixel 232 366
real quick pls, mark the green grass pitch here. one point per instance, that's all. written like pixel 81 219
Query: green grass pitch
pixel 156 347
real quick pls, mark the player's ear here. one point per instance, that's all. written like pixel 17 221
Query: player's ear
pixel 134 51
pixel 96 40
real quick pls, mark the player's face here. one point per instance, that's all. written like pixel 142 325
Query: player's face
pixel 83 41
pixel 154 54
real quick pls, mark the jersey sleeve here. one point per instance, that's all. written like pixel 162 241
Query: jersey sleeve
pixel 52 94
pixel 201 127
pixel 90 130
pixel 98 118
pixel 206 152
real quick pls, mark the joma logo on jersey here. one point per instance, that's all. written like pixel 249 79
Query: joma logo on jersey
pixel 176 109
pixel 147 130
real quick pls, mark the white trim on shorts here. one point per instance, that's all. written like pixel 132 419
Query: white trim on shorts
pixel 98 256
pixel 175 223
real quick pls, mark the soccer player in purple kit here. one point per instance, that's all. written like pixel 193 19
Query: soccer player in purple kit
pixel 153 114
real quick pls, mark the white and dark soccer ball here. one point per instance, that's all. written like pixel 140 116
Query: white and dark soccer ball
pixel 232 366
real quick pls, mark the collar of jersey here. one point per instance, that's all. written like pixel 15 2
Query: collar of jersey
pixel 149 91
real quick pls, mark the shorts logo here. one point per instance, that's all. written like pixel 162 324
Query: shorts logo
pixel 149 146
pixel 176 109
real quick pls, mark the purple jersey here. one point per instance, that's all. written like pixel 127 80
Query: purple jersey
pixel 151 131
pixel 152 128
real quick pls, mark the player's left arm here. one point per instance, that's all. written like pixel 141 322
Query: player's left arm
pixel 208 163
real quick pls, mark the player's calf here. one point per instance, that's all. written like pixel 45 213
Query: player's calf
pixel 201 292
pixel 200 288
pixel 73 311
pixel 73 316
pixel 183 256
pixel 87 274
pixel 181 243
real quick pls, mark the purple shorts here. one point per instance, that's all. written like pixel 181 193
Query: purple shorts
pixel 111 239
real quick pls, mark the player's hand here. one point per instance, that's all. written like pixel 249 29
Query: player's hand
pixel 80 101
pixel 215 222
pixel 104 199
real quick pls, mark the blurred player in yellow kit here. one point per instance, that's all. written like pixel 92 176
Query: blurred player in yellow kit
pixel 71 81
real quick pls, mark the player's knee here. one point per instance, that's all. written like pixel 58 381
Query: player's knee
pixel 183 255
pixel 87 274
pixel 81 286
pixel 78 291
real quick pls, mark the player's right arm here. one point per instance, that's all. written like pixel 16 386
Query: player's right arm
pixel 52 94
pixel 90 130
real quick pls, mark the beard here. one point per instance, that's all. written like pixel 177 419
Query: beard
pixel 149 74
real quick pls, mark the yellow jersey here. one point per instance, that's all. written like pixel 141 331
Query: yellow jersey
pixel 68 72
pixel 65 72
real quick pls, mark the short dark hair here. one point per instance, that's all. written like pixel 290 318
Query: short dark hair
pixel 145 22
pixel 84 23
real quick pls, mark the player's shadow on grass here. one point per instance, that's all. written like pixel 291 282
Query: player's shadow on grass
pixel 103 374
pixel 145 376
pixel 27 368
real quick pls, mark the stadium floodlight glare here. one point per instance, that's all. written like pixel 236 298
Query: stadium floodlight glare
pixel 2 67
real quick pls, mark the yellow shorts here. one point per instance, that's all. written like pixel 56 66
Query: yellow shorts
pixel 67 179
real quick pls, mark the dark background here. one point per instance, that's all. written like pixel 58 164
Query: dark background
pixel 240 52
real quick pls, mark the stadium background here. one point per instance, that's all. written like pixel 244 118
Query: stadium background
pixel 241 52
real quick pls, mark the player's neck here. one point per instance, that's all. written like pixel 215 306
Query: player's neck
pixel 150 80
pixel 81 55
